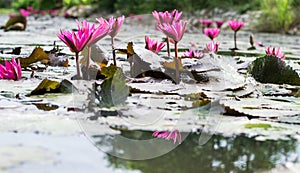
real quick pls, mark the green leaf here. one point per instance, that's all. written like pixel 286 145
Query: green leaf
pixel 16 23
pixel 110 71
pixel 270 69
pixel 114 90
pixel 51 86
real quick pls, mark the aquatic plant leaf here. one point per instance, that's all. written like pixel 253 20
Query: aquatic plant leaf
pixel 16 23
pixel 110 71
pixel 114 90
pixel 98 55
pixel 52 86
pixel 37 54
pixel 261 107
pixel 270 69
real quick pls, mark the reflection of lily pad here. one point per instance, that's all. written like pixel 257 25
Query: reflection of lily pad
pixel 270 69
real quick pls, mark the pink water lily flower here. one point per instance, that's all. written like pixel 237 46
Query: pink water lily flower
pixel 153 45
pixel 175 30
pixel 77 41
pixel 24 12
pixel 212 32
pixel 11 70
pixel 275 52
pixel 192 53
pixel 219 23
pixel 235 25
pixel 53 12
pixel 115 24
pixel 167 17
pixel 207 23
pixel 29 8
pixel 167 135
pixel 212 46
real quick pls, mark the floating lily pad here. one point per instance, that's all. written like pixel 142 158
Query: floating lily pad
pixel 52 86
pixel 260 107
pixel 16 23
pixel 270 69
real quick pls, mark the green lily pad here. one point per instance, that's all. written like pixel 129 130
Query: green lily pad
pixel 52 86
pixel 114 90
pixel 270 69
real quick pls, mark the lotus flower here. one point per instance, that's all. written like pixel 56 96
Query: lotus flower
pixel 212 32
pixel 11 70
pixel 43 12
pixel 153 45
pixel 235 26
pixel 29 8
pixel 192 53
pixel 115 25
pixel 212 46
pixel 206 23
pixel 167 135
pixel 77 41
pixel 275 52
pixel 219 23
pixel 24 12
pixel 174 31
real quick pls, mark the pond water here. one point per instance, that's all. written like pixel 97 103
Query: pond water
pixel 219 154
pixel 48 125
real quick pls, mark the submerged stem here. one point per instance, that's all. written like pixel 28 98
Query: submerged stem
pixel 113 50
pixel 176 64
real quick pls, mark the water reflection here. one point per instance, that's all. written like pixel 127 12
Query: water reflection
pixel 219 154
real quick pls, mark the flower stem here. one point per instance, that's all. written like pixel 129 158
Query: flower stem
pixel 176 64
pixel 113 50
pixel 78 65
pixel 235 47
pixel 88 62
pixel 168 47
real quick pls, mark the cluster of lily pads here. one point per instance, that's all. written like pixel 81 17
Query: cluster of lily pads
pixel 169 23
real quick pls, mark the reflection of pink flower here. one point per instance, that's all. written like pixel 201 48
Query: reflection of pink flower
pixel 205 22
pixel 153 45
pixel 175 31
pixel 212 47
pixel 212 32
pixel 235 25
pixel 11 70
pixel 192 53
pixel 219 23
pixel 275 52
pixel 24 12
pixel 167 135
